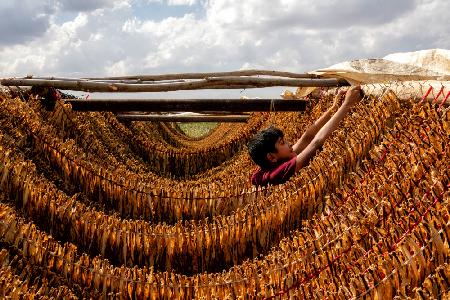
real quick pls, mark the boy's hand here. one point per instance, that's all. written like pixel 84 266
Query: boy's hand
pixel 338 98
pixel 353 96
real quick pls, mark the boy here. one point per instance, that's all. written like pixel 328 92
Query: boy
pixel 278 160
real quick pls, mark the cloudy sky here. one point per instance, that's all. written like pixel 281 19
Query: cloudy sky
pixel 76 38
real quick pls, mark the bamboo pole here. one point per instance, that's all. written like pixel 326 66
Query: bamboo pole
pixel 135 81
pixel 211 74
pixel 210 83
pixel 278 81
pixel 178 118
pixel 187 105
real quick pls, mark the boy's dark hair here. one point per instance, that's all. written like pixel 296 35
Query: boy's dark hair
pixel 262 143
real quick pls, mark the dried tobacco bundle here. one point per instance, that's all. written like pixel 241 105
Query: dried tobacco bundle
pixel 222 242
pixel 19 279
pixel 132 194
pixel 430 173
pixel 128 192
pixel 388 220
pixel 162 158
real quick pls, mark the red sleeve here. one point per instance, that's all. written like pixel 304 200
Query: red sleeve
pixel 279 174
pixel 283 172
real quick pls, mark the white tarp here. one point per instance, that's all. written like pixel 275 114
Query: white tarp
pixel 412 68
pixel 437 60
pixel 433 64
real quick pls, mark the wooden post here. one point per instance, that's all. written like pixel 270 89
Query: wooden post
pixel 210 74
pixel 187 105
pixel 181 118
pixel 208 83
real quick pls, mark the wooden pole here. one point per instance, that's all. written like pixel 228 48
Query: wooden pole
pixel 178 118
pixel 131 81
pixel 277 81
pixel 211 74
pixel 210 83
pixel 187 105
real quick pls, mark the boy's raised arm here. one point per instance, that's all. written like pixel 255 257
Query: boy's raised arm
pixel 312 130
pixel 352 97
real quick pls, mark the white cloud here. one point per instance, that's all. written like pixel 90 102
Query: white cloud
pixel 305 13
pixel 21 21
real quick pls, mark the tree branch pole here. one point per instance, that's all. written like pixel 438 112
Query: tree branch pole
pixel 187 105
pixel 210 74
pixel 209 83
pixel 130 81
pixel 277 81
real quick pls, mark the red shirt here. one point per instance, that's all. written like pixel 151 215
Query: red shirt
pixel 278 174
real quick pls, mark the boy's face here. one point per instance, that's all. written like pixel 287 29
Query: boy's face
pixel 284 151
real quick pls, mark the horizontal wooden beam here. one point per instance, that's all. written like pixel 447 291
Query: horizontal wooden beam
pixel 208 83
pixel 178 118
pixel 187 105
pixel 210 74
pixel 128 81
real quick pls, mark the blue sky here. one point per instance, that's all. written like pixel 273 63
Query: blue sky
pixel 158 11
pixel 76 38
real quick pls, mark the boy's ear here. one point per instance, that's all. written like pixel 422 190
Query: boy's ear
pixel 271 157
